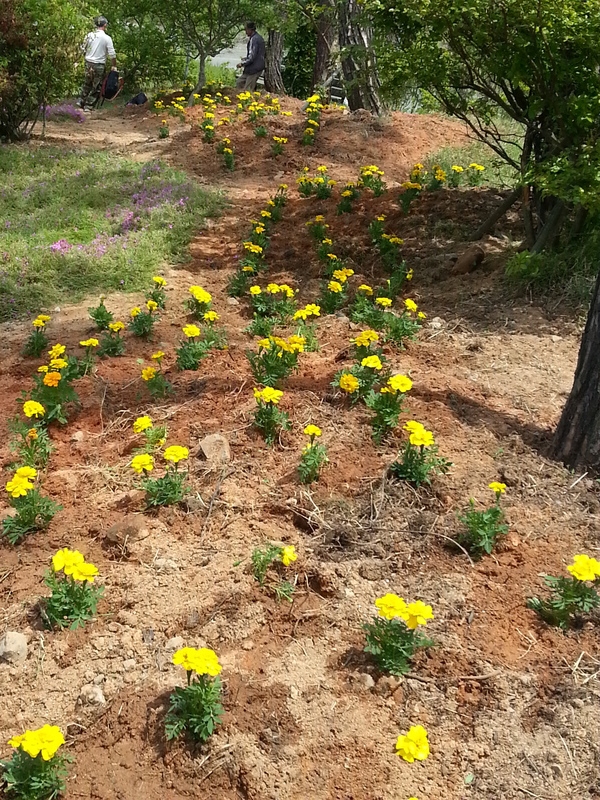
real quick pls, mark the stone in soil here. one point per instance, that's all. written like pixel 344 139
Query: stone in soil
pixel 13 647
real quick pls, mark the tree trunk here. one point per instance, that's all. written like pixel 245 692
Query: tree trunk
pixel 325 29
pixel 274 56
pixel 201 78
pixel 359 66
pixel 577 437
pixel 488 226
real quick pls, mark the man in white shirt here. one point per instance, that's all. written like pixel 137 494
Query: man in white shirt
pixel 98 46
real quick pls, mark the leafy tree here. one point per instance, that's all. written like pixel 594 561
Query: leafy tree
pixel 39 51
pixel 147 56
pixel 201 29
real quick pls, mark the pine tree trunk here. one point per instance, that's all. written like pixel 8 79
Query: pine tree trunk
pixel 359 66
pixel 325 29
pixel 577 437
pixel 274 56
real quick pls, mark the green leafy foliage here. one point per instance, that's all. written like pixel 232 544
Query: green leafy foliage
pixel 387 407
pixel 72 603
pixel 31 443
pixel 313 459
pixel 36 343
pixel 34 512
pixel 483 529
pixel 416 464
pixel 111 344
pixel 167 490
pixel 569 597
pixel 392 644
pixel 101 316
pixel 195 709
pixel 27 778
pixel 270 421
pixel 262 558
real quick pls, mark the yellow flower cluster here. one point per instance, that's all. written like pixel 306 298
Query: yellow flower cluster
pixel 73 563
pixel 200 295
pixel 268 395
pixel 202 661
pixel 142 424
pixel 44 741
pixel 414 745
pixel 366 338
pixel 142 463
pixel 390 606
pixel 309 310
pixel 176 453
pixel 397 383
pixel 585 568
pixel 40 321
pixel 419 436
pixel 20 483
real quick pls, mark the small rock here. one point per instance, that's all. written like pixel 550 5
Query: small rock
pixel 364 681
pixel 372 570
pixel 99 679
pixel 113 627
pixel 233 301
pixel 398 696
pixel 166 564
pixel 175 643
pixel 556 338
pixel 13 647
pixel 437 323
pixel 215 449
pixel 129 664
pixel 294 692
pixel 193 504
pixel 248 645
pixel 78 436
pixel 92 695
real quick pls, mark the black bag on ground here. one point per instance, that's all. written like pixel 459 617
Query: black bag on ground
pixel 110 88
pixel 138 100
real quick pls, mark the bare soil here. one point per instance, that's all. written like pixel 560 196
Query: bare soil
pixel 511 706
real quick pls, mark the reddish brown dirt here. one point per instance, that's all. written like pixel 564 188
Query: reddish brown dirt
pixel 510 705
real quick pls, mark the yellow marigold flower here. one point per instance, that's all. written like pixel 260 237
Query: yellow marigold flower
pixel 477 167
pixel 313 309
pixel 43 368
pixel 255 290
pixel 135 311
pixel 176 453
pixel 584 568
pixel 116 326
pixel 38 323
pixel 272 288
pixel 398 383
pixel 44 317
pixel 373 362
pixel 395 240
pixel 417 613
pixel 421 437
pixel 412 425
pixel 44 741
pixel 410 305
pixel 390 606
pixel 191 330
pixel 332 257
pixel 365 288
pixel 52 378
pixel 248 268
pixel 410 274
pixel 319 218
pixel 312 430
pixel 84 572
pixel 203 661
pixel 58 363
pixel 158 356
pixel 18 487
pixel 31 408
pixel 89 342
pixel 288 555
pixel 335 287
pixel 384 302
pixel 32 434
pixel 200 294
pixel 340 275
pixel 159 280
pixel 349 383
pixel 421 315
pixel 457 169
pixel 151 305
pixel 414 745
pixel 264 343
pixel 148 373
pixel 365 338
pixel 498 488
pixel 66 559
pixel 346 193
pixel 26 472
pixel 265 214
pixel 141 424
pixel 56 351
pixel 141 463
pixel 381 218
pixel 268 395
pixel 322 169
pixel 211 316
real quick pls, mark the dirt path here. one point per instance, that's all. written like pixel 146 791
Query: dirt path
pixel 510 705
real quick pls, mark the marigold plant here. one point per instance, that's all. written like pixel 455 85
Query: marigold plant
pixel 419 459
pixel 387 405
pixel 269 563
pixel 112 343
pixel 393 637
pixel 37 341
pixel 36 771
pixel 484 528
pixel 171 487
pixel 570 597
pixel 199 301
pixel 101 316
pixel 275 359
pixel 34 511
pixel 195 709
pixel 314 456
pixel 268 418
pixel 74 598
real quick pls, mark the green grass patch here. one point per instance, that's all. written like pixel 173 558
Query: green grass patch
pixel 497 172
pixel 74 223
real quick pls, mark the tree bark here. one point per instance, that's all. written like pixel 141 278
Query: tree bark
pixel 359 66
pixel 325 29
pixel 488 226
pixel 274 56
pixel 201 78
pixel 577 437
pixel 548 234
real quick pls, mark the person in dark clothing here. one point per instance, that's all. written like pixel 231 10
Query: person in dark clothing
pixel 254 63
